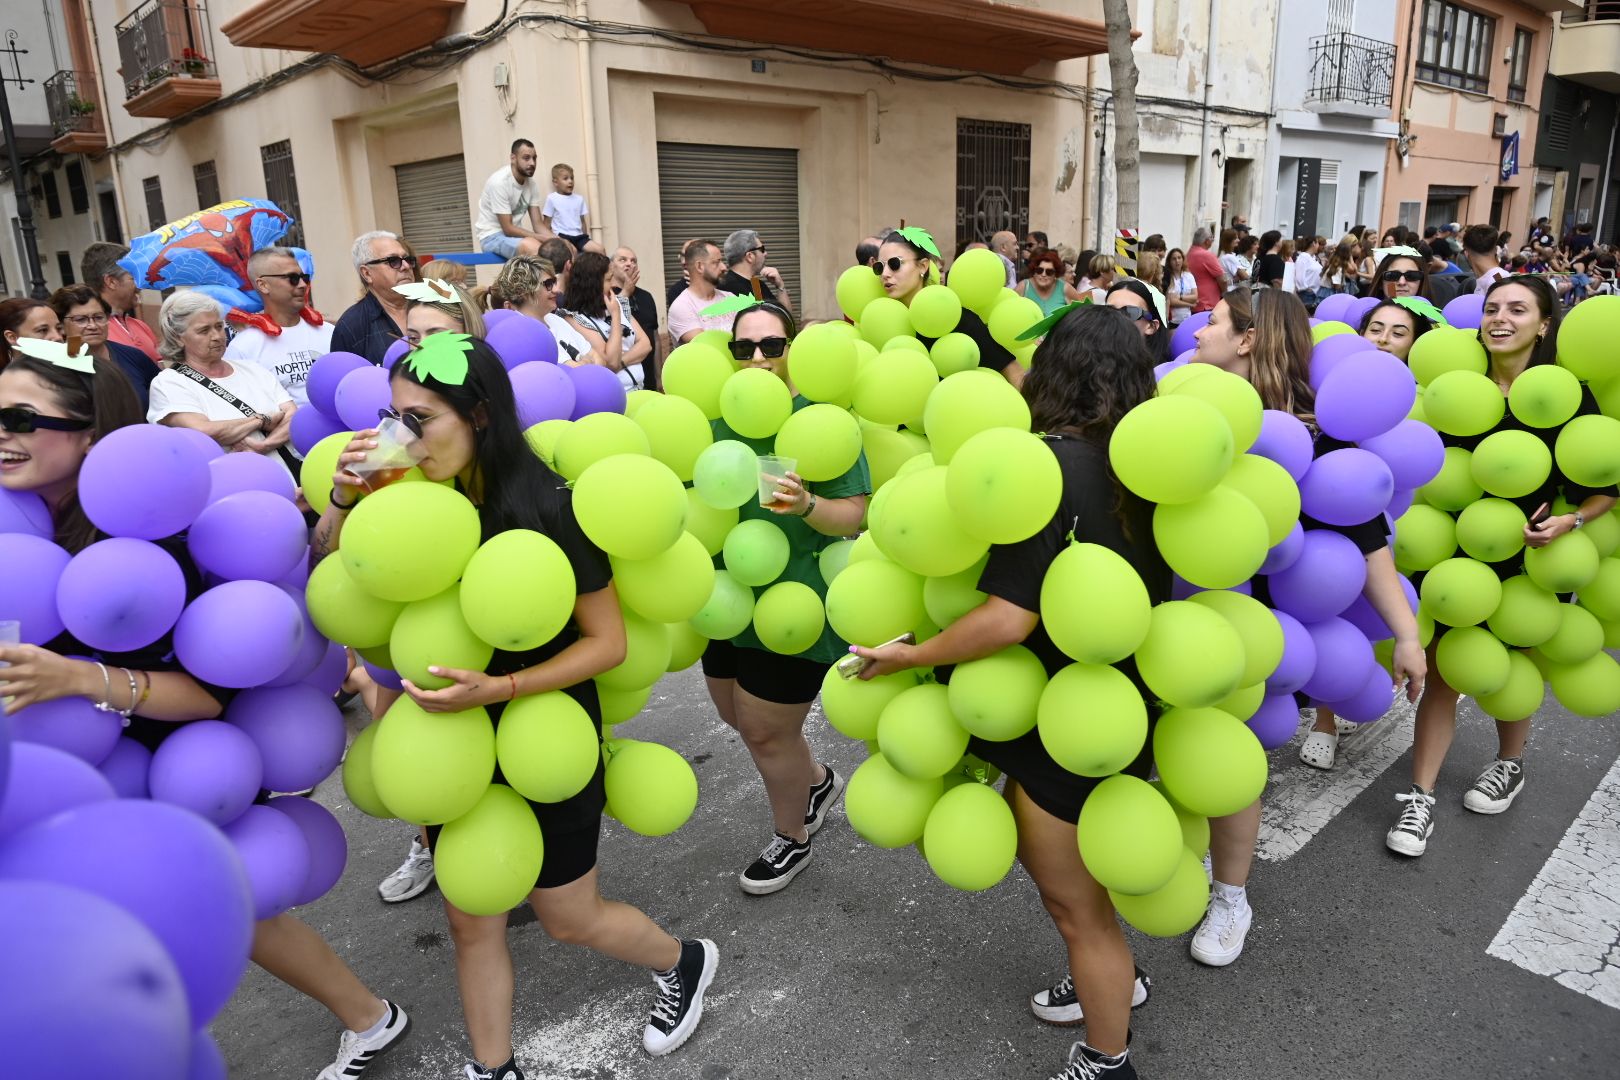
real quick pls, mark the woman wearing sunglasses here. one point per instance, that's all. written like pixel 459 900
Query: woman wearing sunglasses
pixel 22 317
pixel 85 316
pixel 52 411
pixel 764 695
pixel 908 260
pixel 1047 272
pixel 1401 272
pixel 1144 306
pixel 528 285
pixel 456 393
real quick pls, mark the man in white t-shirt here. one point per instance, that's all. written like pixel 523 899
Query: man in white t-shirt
pixel 511 196
pixel 288 336
pixel 704 268
pixel 1479 245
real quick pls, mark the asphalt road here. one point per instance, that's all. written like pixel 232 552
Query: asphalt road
pixel 1360 964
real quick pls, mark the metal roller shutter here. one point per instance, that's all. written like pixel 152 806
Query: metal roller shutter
pixel 712 191
pixel 434 212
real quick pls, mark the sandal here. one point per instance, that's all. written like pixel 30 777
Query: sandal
pixel 1319 749
pixel 1343 727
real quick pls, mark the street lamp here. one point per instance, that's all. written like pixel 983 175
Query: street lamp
pixel 25 209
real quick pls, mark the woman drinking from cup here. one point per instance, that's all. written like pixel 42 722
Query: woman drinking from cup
pixel 85 315
pixel 908 260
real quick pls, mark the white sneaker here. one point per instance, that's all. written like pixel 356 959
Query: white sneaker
pixel 1411 831
pixel 1496 787
pixel 412 878
pixel 1219 939
pixel 356 1051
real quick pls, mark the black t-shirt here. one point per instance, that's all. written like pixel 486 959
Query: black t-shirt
pixel 991 353
pixel 737 285
pixel 1270 268
pixel 644 309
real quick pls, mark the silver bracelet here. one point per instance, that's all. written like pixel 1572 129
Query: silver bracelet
pixel 106 689
pixel 134 691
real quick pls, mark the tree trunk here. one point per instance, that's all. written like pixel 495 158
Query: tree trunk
pixel 1127 131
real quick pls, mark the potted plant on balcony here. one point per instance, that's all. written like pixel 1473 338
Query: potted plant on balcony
pixel 194 63
pixel 79 106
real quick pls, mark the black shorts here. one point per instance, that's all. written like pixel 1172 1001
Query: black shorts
pixel 579 241
pixel 1049 785
pixel 785 680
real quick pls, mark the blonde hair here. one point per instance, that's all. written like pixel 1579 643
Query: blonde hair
pixel 520 279
pixel 466 309
pixel 1150 268
pixel 560 168
pixel 444 270
pixel 1100 265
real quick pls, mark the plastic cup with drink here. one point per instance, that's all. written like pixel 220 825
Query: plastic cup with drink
pixel 396 453
pixel 10 634
pixel 772 470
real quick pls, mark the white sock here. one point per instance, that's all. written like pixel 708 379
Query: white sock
pixel 377 1028
pixel 1236 895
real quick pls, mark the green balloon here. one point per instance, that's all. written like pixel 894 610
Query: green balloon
pixel 755 403
pixel 1424 537
pixel 636 400
pixel 789 618
pixel 518 590
pixel 592 438
pixel 409 541
pixel 1454 487
pixel 1527 615
pixel 1332 328
pixel 677 431
pixel 1178 907
pixel 894 387
pixel 953 353
pixel 487 860
pixel 646 655
pixel 1588 688
pixel 718 340
pixel 918 530
pixel 883 319
pixel 377 656
pixel 1092 720
pixel 1463 403
pixel 1587 337
pixel 359 782
pixel 822 362
pixel 1607 394
pixel 946 599
pixel 866 548
pixel 1565 565
pixel 853 705
pixel 650 788
pixel 431 768
pixel 1172 449
pixel 1210 762
pixel 903 344
pixel 1491 530
pixel 1604 532
pixel 1545 396
pixel 916 464
pixel 1269 487
pixel 434 632
pixel 887 450
pixel 547 747
pixel 1520 695
pixel 1472 661
pixel 856 288
pixel 697 371
pixel 686 646
pixel 542 439
pixel 1194 827
pixel 756 552
pixel 1004 485
pixel 935 311
pixel 630 506
pixel 1588 451
pixel 728 611
pixel 619 706
pixel 918 735
pixel 887 808
pixel 344 612
pixel 1191 656
pixel 970 839
pixel 832 559
pixel 1233 395
pixel 1010 318
pixel 996 697
pixel 1243 702
pixel 1094 605
pixel 720 479
pixel 967 403
pixel 1511 463
pixel 1216 541
pixel 1579 636
pixel 670 587
pixel 1461 592
pixel 320 464
pixel 1445 349
pixel 978 276
pixel 824 439
pixel 1601 595
pixel 1129 836
pixel 1256 626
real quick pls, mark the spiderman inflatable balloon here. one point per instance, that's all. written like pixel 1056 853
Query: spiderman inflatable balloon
pixel 208 251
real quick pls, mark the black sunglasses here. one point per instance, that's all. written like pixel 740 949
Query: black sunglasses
pixel 395 262
pixel 412 422
pixel 21 421
pixel 549 284
pixel 743 349
pixel 895 263
pixel 1403 275
pixel 294 280
pixel 1136 314
pixel 761 248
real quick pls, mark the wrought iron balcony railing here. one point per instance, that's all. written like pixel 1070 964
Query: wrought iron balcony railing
pixel 164 39
pixel 1351 69
pixel 70 99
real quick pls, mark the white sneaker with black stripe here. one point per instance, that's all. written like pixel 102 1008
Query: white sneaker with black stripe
pixel 822 797
pixel 1410 834
pixel 1060 1006
pixel 357 1050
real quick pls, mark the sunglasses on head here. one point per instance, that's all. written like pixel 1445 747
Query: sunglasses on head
pixel 895 263
pixel 395 262
pixel 743 349
pixel 21 421
pixel 294 280
pixel 1403 275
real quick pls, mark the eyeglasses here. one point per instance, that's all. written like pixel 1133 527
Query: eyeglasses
pixel 549 284
pixel 413 423
pixel 395 262
pixel 1135 314
pixel 21 421
pixel 743 349
pixel 296 280
pixel 895 263
pixel 1403 275
pixel 87 320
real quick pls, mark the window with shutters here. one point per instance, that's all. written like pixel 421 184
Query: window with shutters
pixel 1327 198
pixel 78 194
pixel 435 214
pixel 206 177
pixel 710 192
pixel 1560 119
pixel 64 266
pixel 281 186
pixel 153 187
pixel 1454 47
pixel 53 197
pixel 992 179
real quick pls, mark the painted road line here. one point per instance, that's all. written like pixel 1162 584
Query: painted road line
pixel 1567 924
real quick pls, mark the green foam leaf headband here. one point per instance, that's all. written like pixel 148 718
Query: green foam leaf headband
pixel 731 305
pixel 1419 306
pixel 921 238
pixel 1046 324
pixel 441 357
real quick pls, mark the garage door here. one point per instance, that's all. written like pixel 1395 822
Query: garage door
pixel 712 191
pixel 434 213
pixel 1164 197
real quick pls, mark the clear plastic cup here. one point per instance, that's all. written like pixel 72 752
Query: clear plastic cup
pixel 771 470
pixel 396 452
pixel 10 634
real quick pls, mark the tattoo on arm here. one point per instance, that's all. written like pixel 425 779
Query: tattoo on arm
pixel 322 543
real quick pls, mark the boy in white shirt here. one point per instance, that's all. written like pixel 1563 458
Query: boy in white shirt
pixel 566 213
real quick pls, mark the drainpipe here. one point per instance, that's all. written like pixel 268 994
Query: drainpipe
pixel 104 93
pixel 580 10
pixel 1203 137
pixel 1608 167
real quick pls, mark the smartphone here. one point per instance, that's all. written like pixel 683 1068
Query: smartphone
pixel 851 666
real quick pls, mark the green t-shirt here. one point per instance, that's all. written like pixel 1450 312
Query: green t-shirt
pixel 804 543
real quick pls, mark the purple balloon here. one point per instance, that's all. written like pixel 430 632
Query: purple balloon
pixel 1346 487
pixel 1372 700
pixel 5 753
pixel 239 634
pixel 1342 656
pixel 1465 312
pixel 143 481
pixel 275 856
pixel 70 956
pixel 296 579
pixel 1335 308
pixel 522 340
pixel 203 444
pixel 399 349
pixel 207 1063
pixel 325 375
pixel 126 769
pixel 1286 440
pixel 1298 659
pixel 166 866
pixel 328 676
pixel 1366 394
pixel 492 319
pixel 297 729
pixel 71 724
pixel 1167 367
pixel 596 389
pixel 210 768
pixel 120 595
pixel 309 426
pixel 25 512
pixel 45 781
pixel 1412 450
pixel 328 848
pixel 1330 352
pixel 1363 617
pixel 251 535
pixel 543 392
pixel 232 473
pixel 33 568
pixel 1328 575
pixel 1182 340
pixel 1285 553
pixel 1399 503
pixel 1275 722
pixel 382 676
pixel 312 648
pixel 361 394
pixel 1359 307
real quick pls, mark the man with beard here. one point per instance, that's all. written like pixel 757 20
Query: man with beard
pixel 511 196
pixel 288 336
pixel 704 268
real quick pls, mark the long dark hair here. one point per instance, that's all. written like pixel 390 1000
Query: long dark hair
pixel 1091 370
pixel 1546 350
pixel 585 280
pixel 1378 274
pixel 519 490
pixel 1420 324
pixel 790 328
pixel 105 399
pixel 1280 362
pixel 1158 346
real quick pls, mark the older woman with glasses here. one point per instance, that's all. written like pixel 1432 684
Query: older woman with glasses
pixel 85 316
pixel 1046 283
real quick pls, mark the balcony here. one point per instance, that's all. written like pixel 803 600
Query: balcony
pixel 1556 7
pixel 1351 76
pixel 970 35
pixel 75 112
pixel 364 32
pixel 164 52
pixel 1586 48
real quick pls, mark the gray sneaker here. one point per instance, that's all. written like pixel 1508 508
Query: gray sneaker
pixel 412 878
pixel 1411 831
pixel 1496 787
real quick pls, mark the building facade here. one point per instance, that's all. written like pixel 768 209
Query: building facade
pixel 1576 179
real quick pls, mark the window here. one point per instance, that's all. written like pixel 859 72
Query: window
pixel 207 184
pixel 53 198
pixel 1454 47
pixel 992 179
pixel 1519 75
pixel 78 194
pixel 1411 215
pixel 64 266
pixel 281 185
pixel 1327 199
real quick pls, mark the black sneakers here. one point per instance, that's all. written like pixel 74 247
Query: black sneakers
pixel 1496 787
pixel 776 866
pixel 679 1007
pixel 1060 1006
pixel 822 797
pixel 1088 1064
pixel 1410 833
pixel 509 1071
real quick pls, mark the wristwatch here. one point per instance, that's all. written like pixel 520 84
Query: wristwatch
pixel 1580 519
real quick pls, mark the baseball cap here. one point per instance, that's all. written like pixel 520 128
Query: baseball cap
pixel 1454 227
